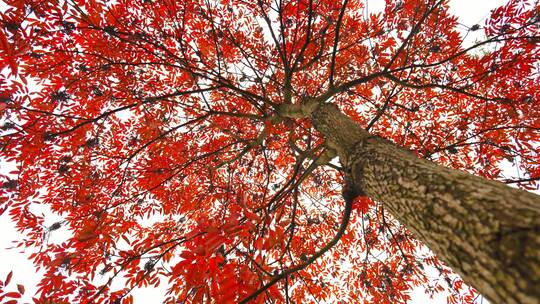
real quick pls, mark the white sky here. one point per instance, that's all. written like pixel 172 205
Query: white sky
pixel 470 12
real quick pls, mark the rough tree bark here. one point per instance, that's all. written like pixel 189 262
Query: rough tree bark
pixel 484 230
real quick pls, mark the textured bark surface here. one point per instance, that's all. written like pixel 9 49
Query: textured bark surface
pixel 484 230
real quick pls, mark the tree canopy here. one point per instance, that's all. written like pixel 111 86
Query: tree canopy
pixel 153 137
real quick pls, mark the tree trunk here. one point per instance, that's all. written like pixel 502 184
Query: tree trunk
pixel 484 230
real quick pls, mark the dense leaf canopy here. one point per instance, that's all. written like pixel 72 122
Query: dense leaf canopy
pixel 148 136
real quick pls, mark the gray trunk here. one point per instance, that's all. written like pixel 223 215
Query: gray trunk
pixel 484 230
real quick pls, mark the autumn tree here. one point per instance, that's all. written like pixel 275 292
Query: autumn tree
pixel 287 151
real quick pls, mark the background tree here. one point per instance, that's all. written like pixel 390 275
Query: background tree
pixel 193 144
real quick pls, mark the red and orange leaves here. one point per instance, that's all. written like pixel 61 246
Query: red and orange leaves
pixel 150 129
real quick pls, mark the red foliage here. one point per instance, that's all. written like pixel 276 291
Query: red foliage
pixel 150 129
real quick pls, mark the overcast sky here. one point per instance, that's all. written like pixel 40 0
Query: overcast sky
pixel 470 12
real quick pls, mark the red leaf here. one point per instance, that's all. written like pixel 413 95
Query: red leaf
pixel 13 295
pixel 8 278
pixel 362 204
pixel 20 288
